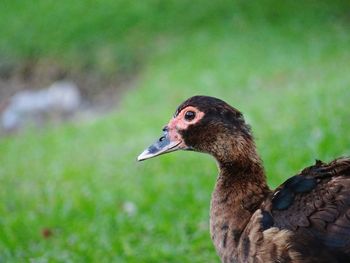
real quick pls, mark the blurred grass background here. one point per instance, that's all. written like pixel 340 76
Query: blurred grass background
pixel 76 194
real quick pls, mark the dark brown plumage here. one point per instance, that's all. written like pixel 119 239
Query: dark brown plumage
pixel 306 219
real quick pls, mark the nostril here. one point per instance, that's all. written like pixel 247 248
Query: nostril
pixel 161 138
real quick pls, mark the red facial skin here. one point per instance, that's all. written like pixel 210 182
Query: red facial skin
pixel 180 123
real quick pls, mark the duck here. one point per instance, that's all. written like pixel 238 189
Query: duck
pixel 305 219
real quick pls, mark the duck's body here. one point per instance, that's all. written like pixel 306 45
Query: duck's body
pixel 306 219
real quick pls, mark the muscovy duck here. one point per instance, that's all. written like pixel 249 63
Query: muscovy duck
pixel 306 219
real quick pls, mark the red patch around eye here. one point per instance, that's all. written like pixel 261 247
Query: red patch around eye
pixel 180 123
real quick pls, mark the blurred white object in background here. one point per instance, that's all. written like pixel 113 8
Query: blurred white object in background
pixel 58 101
pixel 129 208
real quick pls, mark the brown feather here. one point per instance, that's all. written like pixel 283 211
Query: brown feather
pixel 325 207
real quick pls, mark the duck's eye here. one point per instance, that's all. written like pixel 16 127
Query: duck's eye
pixel 189 115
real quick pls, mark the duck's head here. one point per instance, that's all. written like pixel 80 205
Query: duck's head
pixel 204 124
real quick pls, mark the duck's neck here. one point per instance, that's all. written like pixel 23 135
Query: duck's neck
pixel 240 189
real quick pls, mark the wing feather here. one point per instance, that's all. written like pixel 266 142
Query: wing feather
pixel 316 202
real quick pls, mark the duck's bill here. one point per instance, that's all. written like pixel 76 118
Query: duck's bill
pixel 161 146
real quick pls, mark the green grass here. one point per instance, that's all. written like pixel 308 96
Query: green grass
pixel 118 36
pixel 290 78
